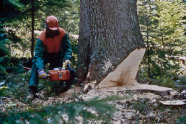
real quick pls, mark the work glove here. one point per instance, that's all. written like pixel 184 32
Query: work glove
pixel 41 73
pixel 67 62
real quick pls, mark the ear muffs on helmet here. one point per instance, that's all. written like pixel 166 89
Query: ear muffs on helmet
pixel 45 24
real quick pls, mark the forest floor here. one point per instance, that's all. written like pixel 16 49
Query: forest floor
pixel 143 104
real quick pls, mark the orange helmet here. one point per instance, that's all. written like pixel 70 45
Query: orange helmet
pixel 52 22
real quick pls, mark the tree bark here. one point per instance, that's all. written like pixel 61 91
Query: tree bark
pixel 32 13
pixel 109 32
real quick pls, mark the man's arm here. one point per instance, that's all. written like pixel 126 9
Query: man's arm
pixel 39 51
pixel 66 45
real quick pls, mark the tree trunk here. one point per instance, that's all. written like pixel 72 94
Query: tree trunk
pixel 32 46
pixel 109 32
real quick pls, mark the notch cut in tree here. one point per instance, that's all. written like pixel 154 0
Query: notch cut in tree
pixel 109 32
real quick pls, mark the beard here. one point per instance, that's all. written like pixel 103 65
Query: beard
pixel 51 33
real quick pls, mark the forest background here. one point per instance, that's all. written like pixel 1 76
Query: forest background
pixel 162 25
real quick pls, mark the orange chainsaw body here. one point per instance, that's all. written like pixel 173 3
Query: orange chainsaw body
pixel 59 75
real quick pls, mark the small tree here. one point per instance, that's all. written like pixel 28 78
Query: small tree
pixel 161 26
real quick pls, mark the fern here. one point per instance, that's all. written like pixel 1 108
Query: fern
pixel 16 3
pixel 3 47
pixel 2 89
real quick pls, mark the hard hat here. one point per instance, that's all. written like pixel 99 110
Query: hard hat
pixel 52 22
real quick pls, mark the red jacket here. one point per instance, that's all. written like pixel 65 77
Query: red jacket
pixel 52 45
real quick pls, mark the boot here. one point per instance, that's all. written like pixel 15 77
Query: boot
pixel 78 83
pixel 32 93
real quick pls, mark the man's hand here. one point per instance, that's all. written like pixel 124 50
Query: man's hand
pixel 42 74
pixel 67 62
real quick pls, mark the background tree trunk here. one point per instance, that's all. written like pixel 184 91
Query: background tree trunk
pixel 32 13
pixel 109 32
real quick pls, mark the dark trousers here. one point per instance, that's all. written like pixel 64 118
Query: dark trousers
pixel 55 61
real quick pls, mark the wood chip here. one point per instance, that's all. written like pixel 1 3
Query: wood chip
pixel 173 102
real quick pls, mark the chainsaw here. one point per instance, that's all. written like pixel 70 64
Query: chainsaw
pixel 64 78
pixel 59 74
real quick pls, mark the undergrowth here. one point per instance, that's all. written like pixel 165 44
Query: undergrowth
pixel 169 79
pixel 74 112
pixel 15 109
pixel 154 112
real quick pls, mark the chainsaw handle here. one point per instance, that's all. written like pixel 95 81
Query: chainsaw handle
pixel 27 68
pixel 68 66
pixel 47 77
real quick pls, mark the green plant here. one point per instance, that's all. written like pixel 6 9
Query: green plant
pixel 91 110
pixel 142 106
pixel 5 41
pixel 161 24
pixel 2 90
pixel 17 86
pixel 181 120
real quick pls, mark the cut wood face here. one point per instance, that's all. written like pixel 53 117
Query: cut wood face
pixel 126 71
